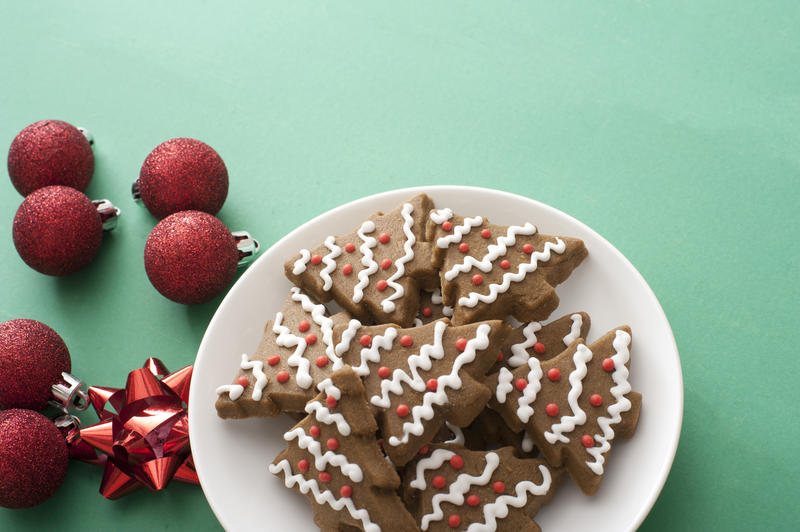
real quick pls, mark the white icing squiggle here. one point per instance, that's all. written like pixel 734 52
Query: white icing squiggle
pixel 524 269
pixel 318 314
pixel 574 330
pixel 347 337
pixel 439 397
pixel 436 299
pixel 370 266
pixel 434 461
pixel 525 411
pixel 527 442
pixel 494 251
pixel 329 263
pixel 300 264
pixel 504 385
pixel 418 322
pixel 458 434
pixel 459 231
pixel 578 417
pixel 287 339
pixel 372 353
pixel 323 414
pixel 519 351
pixel 622 404
pixel 321 460
pixel 424 361
pixel 440 216
pixel 323 496
pixel 235 391
pixel 499 508
pixel 458 488
pixel 399 264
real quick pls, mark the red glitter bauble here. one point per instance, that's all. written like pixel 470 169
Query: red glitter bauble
pixel 181 175
pixel 190 257
pixel 57 230
pixel 33 458
pixel 50 152
pixel 32 357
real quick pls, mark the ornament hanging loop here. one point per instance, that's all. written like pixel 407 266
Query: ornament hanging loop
pixel 69 394
pixel 88 134
pixel 109 214
pixel 247 245
pixel 136 191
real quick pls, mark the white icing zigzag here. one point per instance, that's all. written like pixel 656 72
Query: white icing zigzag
pixel 525 411
pixel 399 264
pixel 458 434
pixel 300 264
pixel 287 339
pixel 434 461
pixel 423 360
pixel 324 496
pixel 370 266
pixel 459 231
pixel 578 417
pixel 519 351
pixel 622 404
pixel 524 269
pixel 372 353
pixel 527 441
pixel 499 508
pixel 439 397
pixel 436 299
pixel 326 326
pixel 574 330
pixel 235 391
pixel 504 385
pixel 440 216
pixel 494 251
pixel 323 414
pixel 321 460
pixel 458 488
pixel 329 263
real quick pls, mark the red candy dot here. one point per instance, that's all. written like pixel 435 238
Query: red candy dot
pixel 461 344
pixel 381 285
pixel 608 364
pixel 242 381
pixel 322 361
pixel 477 279
pixel 499 487
pixel 427 312
pixel 386 264
pixel 432 384
pixel 527 248
pixel 438 482
pixel 346 491
pixel 553 374
pixel 587 441
pixel 505 264
pixel 350 247
pixel 303 326
pixel 274 359
pixel 332 444
pixel 463 247
pixel 314 431
pixel 447 226
pixel 473 500
pixel 456 462
pixel 486 233
pixel 596 399
pixel 402 410
pixel 499 356
pixel 551 409
pixel 539 348
pixel 302 465
pixel 331 401
pixel 384 372
pixel 324 476
pixel 406 340
pixel 366 340
pixel 282 376
pixel 311 339
pixel 316 259
pixel 383 238
pixel 347 269
pixel 454 521
pixel 424 449
pixel 521 384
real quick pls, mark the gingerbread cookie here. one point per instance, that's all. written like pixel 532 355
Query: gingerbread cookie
pixel 431 307
pixel 491 271
pixel 418 378
pixel 375 271
pixel 573 405
pixel 333 458
pixel 455 488
pixel 298 350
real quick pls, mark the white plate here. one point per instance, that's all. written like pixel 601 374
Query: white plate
pixel 232 456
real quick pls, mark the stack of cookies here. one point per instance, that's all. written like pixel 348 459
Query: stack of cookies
pixel 436 399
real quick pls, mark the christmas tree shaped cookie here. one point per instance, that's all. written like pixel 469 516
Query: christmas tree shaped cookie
pixel 298 351
pixel 431 307
pixel 418 378
pixel 492 271
pixel 375 271
pixel 334 459
pixel 453 488
pixel 573 405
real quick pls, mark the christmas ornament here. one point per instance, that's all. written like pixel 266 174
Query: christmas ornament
pixel 145 440
pixel 191 257
pixel 32 359
pixel 33 458
pixel 58 230
pixel 180 175
pixel 50 152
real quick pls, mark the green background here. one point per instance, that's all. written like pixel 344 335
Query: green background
pixel 671 128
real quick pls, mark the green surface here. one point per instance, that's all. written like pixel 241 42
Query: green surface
pixel 671 128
